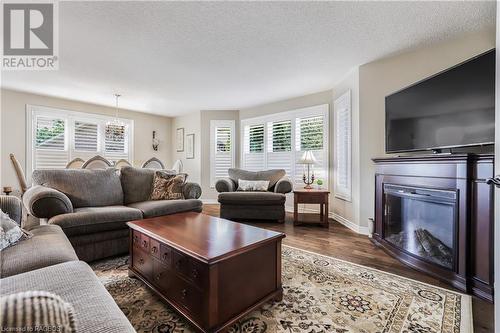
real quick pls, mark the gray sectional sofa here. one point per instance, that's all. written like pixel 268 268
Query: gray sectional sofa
pixel 47 262
pixel 93 206
pixel 268 205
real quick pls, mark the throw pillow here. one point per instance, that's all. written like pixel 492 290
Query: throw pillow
pixel 33 311
pixel 10 232
pixel 253 185
pixel 167 186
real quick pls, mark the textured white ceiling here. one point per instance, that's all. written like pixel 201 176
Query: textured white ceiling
pixel 172 58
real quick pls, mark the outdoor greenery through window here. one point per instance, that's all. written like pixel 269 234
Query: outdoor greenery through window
pixel 311 133
pixel 256 139
pixel 282 136
pixel 50 133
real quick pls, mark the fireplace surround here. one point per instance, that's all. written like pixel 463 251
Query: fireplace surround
pixel 435 213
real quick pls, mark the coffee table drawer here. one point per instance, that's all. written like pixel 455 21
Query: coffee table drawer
pixel 161 275
pixel 186 295
pixel 136 239
pixel 154 248
pixel 166 254
pixel 190 268
pixel 143 263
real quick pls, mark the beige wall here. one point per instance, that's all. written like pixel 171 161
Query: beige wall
pixel 210 194
pixel 380 78
pixel 342 209
pixel 13 129
pixel 191 125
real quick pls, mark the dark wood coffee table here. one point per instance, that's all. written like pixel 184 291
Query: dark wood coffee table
pixel 211 270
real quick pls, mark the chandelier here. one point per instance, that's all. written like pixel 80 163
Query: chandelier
pixel 115 127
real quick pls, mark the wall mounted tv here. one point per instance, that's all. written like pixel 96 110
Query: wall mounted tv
pixel 454 108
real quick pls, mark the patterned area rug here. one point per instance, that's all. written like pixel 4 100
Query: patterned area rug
pixel 321 294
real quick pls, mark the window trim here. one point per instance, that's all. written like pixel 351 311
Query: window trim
pixel 69 116
pixel 292 115
pixel 213 145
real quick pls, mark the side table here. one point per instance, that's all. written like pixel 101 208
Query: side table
pixel 311 196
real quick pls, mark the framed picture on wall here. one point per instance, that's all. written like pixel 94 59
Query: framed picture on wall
pixel 190 146
pixel 179 139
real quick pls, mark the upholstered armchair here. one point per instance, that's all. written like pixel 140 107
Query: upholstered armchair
pixel 253 205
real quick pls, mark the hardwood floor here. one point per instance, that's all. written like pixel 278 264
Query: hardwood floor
pixel 340 242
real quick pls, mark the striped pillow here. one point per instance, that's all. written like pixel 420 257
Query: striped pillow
pixel 36 311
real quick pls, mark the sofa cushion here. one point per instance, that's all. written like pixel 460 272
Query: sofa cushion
pixel 88 220
pixel 154 208
pixel 75 283
pixel 83 187
pixel 271 175
pixel 137 183
pixel 48 246
pixel 252 198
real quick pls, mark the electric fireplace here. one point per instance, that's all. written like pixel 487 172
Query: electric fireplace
pixel 421 222
pixel 435 214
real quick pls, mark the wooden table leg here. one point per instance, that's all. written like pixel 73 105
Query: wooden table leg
pixel 295 210
pixel 325 217
pixel 321 207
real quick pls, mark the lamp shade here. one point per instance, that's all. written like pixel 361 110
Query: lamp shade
pixel 308 158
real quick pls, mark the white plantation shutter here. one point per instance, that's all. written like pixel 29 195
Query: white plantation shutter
pixel 50 148
pixel 342 158
pixel 287 136
pixel 57 136
pixel 115 142
pixel 279 150
pixel 86 136
pixel 310 137
pixel 221 149
pixel 253 139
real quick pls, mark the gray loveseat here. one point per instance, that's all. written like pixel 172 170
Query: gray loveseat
pixel 47 262
pixel 241 205
pixel 93 206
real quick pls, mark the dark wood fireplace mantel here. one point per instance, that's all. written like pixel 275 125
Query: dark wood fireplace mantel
pixel 463 175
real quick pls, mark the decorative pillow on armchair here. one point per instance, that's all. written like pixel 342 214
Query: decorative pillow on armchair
pixel 10 232
pixel 167 186
pixel 253 185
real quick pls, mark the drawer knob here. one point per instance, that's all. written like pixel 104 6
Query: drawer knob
pixel 158 276
pixel 144 243
pixel 184 293
pixel 141 261
pixel 165 256
pixel 155 249
pixel 194 273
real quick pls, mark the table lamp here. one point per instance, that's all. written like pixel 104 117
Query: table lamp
pixel 309 160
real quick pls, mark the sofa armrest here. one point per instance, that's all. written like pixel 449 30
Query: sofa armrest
pixel 225 185
pixel 284 185
pixel 45 202
pixel 191 190
pixel 12 206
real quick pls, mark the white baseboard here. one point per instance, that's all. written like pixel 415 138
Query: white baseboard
pixel 353 226
pixel 340 219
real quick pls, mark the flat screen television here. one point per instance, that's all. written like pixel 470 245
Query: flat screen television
pixel 454 108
